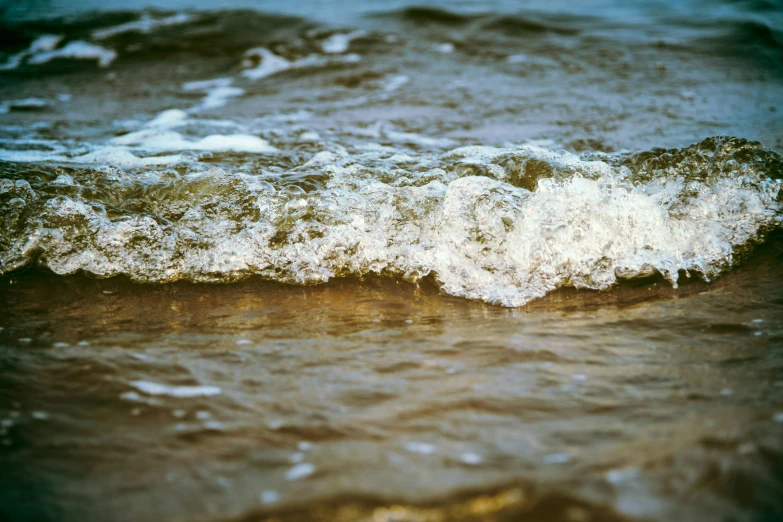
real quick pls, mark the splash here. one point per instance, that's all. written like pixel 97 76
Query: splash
pixel 499 225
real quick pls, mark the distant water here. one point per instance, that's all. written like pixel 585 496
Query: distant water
pixel 399 262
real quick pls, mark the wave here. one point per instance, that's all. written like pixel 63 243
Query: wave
pixel 499 225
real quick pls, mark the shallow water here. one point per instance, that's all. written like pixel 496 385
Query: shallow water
pixel 384 262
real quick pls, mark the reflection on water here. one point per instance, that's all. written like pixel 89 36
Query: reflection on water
pixel 384 400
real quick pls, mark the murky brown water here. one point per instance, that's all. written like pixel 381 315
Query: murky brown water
pixel 384 400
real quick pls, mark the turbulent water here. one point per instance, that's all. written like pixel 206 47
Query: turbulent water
pixel 410 211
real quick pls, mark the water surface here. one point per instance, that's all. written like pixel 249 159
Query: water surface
pixel 379 261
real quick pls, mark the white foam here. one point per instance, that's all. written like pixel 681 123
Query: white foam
pixel 445 48
pixel 205 85
pixel 418 139
pixel 269 497
pixel 300 471
pixel 218 91
pixel 168 119
pixel 43 43
pixel 219 96
pixel 455 216
pixel 114 156
pixel 470 458
pixel 144 25
pixel 617 476
pixel 23 104
pixel 77 50
pixel 271 64
pixel 557 458
pixel 422 448
pixel 395 82
pixel 526 59
pixel 161 140
pixel 339 43
pixel 12 62
pixel 180 392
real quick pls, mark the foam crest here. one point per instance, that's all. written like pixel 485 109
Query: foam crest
pixel 76 50
pixel 260 62
pixel 500 225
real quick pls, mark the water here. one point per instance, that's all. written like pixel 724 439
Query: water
pixel 388 262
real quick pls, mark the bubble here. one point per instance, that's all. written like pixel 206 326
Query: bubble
pixel 295 205
pixel 63 179
pixel 293 191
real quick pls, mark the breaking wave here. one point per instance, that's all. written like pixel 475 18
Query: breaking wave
pixel 500 225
